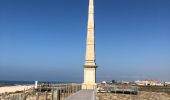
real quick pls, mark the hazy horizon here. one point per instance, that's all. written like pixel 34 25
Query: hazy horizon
pixel 45 40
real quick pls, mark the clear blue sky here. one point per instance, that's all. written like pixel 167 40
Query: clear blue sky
pixel 45 39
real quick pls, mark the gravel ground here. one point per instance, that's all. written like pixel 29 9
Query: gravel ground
pixel 141 96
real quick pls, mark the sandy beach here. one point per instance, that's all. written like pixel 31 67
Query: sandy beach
pixel 14 88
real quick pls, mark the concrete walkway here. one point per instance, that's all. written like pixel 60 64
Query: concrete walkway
pixel 82 95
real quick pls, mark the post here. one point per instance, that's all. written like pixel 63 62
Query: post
pixel 68 90
pixel 76 88
pixel 37 96
pixel 64 92
pixel 55 95
pixel 45 98
pixel 61 94
pixel 52 95
pixel 20 97
pixel 71 89
pixel 58 94
pixel 115 90
pixel 24 97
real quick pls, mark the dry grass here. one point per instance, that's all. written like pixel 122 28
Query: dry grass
pixel 141 96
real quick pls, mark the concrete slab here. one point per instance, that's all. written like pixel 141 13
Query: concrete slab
pixel 82 95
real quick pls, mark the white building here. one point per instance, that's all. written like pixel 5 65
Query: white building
pixel 167 83
pixel 139 82
pixel 148 83
pixel 104 82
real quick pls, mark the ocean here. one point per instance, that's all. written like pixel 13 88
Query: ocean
pixel 15 83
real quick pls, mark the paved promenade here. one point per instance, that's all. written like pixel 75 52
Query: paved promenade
pixel 82 95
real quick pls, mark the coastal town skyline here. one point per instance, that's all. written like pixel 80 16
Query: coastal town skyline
pixel 46 40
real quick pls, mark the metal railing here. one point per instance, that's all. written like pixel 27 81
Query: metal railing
pixel 125 89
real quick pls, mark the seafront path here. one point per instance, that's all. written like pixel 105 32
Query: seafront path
pixel 82 95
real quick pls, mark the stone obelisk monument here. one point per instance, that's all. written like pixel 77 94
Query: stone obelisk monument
pixel 90 64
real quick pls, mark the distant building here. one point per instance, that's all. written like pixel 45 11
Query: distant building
pixel 143 83
pixel 104 82
pixel 159 84
pixel 125 82
pixel 148 83
pixel 152 82
pixel 167 83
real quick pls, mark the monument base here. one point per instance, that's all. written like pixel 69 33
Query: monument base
pixel 89 86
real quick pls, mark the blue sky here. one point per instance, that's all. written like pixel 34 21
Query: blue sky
pixel 45 39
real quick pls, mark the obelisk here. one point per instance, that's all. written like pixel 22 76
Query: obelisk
pixel 90 64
